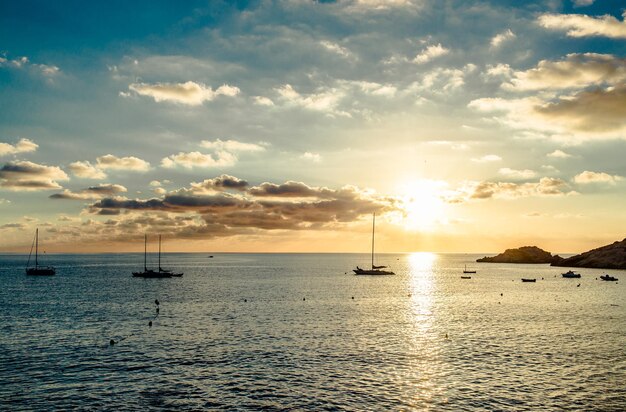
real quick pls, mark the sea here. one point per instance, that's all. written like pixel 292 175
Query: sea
pixel 274 332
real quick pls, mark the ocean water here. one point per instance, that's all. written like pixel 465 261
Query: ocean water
pixel 299 332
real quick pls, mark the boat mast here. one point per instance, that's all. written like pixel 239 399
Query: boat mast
pixel 145 252
pixel 36 247
pixel 373 226
pixel 159 252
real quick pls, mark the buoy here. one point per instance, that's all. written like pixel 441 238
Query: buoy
pixel 112 342
pixel 578 285
pixel 156 302
pixel 150 324
pixel 352 297
pixel 303 299
pixel 446 336
pixel 501 294
pixel 245 300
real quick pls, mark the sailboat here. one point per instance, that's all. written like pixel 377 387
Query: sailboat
pixel 375 270
pixel 161 270
pixel 468 271
pixel 38 270
pixel 149 273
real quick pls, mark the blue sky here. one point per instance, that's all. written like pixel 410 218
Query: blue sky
pixel 466 125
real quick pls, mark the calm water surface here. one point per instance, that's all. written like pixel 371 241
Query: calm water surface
pixel 310 336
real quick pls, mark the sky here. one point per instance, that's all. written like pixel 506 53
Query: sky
pixel 283 126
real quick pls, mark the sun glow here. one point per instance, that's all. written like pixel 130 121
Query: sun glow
pixel 422 206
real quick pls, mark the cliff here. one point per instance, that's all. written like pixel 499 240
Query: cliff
pixel 612 256
pixel 524 254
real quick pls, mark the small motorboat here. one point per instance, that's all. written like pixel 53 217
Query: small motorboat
pixel 466 277
pixel 468 271
pixel 529 280
pixel 608 278
pixel 570 275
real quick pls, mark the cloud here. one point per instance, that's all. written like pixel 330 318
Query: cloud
pixel 24 63
pixel 574 71
pixel 546 186
pixel 595 110
pixel 18 226
pixel 517 174
pixel 430 53
pixel 22 146
pixel 314 157
pixel 232 146
pixel 559 154
pixel 588 177
pixel 220 183
pixel 487 158
pixel 581 25
pixel 188 93
pixel 263 101
pixel 86 170
pixel 29 176
pixel 91 193
pixel 131 163
pixel 499 70
pixel 269 206
pixel 582 3
pixel 335 48
pixel 324 100
pixel 190 160
pixel 498 39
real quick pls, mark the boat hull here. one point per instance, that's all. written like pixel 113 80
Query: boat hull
pixel 41 271
pixel 608 278
pixel 372 272
pixel 150 274
pixel 529 280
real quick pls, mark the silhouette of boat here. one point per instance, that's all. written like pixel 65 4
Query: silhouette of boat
pixel 38 270
pixel 468 271
pixel 466 277
pixel 609 278
pixel 571 275
pixel 161 270
pixel 150 273
pixel 375 270
pixel 529 280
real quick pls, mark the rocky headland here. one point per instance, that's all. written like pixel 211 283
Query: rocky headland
pixel 612 256
pixel 524 254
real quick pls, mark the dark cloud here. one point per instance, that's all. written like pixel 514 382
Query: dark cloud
pixel 91 193
pixel 223 182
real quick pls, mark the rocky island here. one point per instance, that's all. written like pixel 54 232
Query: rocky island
pixel 612 256
pixel 524 254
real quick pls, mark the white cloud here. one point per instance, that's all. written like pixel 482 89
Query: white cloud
pixel 155 183
pixel 23 146
pixel 500 38
pixel 188 93
pixel 588 177
pixel 559 154
pixel 29 176
pixel 487 158
pixel 499 70
pixel 517 174
pixel 263 101
pixel 582 3
pixel 314 157
pixel 86 170
pixel 132 163
pixel 335 48
pixel 325 100
pixel 232 146
pixel 575 71
pixel 190 160
pixel 430 53
pixel 23 62
pixel 581 25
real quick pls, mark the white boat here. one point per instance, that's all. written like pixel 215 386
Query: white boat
pixel 38 270
pixel 375 270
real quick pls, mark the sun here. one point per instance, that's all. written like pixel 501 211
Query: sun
pixel 422 205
